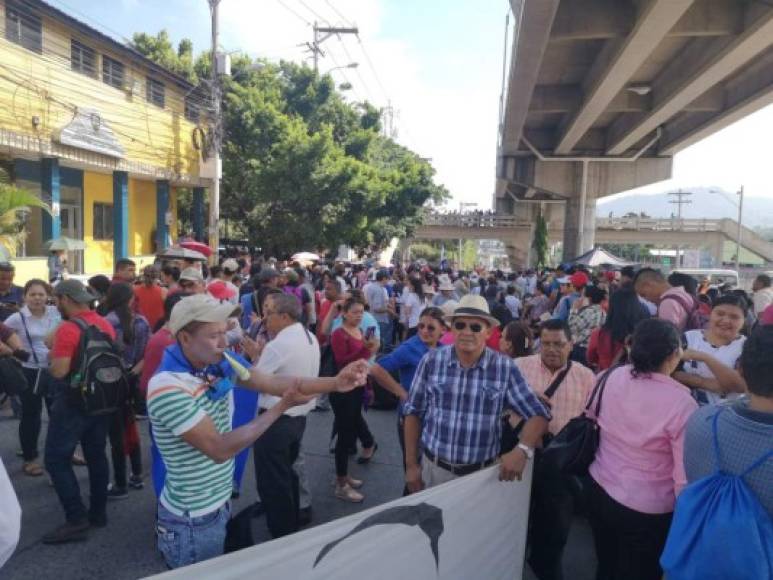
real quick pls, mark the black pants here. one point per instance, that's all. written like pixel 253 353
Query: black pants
pixel 274 453
pixel 554 496
pixel 31 412
pixel 350 425
pixel 628 543
pixel 118 449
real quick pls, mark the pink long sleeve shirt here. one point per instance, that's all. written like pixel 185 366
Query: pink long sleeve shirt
pixel 639 462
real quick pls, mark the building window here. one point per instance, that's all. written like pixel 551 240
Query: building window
pixel 155 92
pixel 23 27
pixel 83 59
pixel 103 221
pixel 112 72
pixel 192 110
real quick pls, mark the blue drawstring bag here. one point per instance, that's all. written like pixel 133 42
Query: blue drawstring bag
pixel 720 531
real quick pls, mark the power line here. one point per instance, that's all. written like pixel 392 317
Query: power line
pixel 315 13
pixel 372 68
pixel 341 16
pixel 293 11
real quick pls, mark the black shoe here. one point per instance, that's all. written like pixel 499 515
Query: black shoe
pixel 68 532
pixel 98 520
pixel 304 517
pixel 258 509
pixel 117 493
pixel 364 460
pixel 135 482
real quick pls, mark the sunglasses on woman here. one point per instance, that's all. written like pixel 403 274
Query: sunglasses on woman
pixel 473 326
pixel 428 327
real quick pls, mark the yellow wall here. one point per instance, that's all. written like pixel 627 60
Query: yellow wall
pixel 142 216
pixel 98 257
pixel 29 268
pixel 32 84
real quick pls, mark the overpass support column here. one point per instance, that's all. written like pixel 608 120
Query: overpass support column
pixel 580 215
pixel 717 250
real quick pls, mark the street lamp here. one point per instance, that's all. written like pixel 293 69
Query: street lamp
pixel 739 205
pixel 350 65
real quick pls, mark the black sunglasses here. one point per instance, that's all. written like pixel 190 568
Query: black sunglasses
pixel 429 327
pixel 474 326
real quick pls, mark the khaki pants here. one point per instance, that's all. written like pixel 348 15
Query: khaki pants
pixel 434 475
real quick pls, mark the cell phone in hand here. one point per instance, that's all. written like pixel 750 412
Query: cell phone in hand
pixel 370 332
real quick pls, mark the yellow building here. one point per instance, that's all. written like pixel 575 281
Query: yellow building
pixel 103 134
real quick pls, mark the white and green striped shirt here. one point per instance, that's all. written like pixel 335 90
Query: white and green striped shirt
pixel 194 483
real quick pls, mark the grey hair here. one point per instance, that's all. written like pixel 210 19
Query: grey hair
pixel 286 304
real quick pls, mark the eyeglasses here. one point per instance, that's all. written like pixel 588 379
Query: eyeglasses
pixel 428 327
pixel 474 326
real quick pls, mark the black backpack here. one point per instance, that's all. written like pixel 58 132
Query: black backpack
pixel 98 382
pixel 327 362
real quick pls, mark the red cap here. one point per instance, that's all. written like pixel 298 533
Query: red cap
pixel 579 279
pixel 610 275
pixel 220 291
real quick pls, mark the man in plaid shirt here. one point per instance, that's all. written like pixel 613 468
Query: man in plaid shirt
pixel 456 402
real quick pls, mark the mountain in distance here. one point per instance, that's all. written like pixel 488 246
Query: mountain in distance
pixel 757 211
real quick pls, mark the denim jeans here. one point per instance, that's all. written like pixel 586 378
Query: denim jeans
pixel 184 540
pixel 67 425
pixel 385 329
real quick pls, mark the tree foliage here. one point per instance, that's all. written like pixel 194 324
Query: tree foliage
pixel 15 201
pixel 303 168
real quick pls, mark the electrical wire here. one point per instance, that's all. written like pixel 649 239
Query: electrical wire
pixel 341 16
pixel 372 67
pixel 316 14
pixel 292 11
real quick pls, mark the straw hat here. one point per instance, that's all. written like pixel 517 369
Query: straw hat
pixel 472 306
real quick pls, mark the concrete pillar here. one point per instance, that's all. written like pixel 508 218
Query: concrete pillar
pixel 572 225
pixel 717 250
pixel 50 186
pixel 162 207
pixel 120 215
pixel 198 214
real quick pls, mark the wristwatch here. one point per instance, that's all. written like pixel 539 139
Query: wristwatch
pixel 529 451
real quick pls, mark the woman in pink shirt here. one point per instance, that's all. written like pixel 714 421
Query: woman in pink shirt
pixel 638 469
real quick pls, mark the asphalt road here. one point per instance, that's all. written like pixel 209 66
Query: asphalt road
pixel 126 548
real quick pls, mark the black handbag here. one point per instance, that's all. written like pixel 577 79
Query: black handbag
pixel 511 435
pixel 573 449
pixel 12 379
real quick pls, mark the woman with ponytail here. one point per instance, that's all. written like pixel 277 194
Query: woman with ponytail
pixel 639 469
pixel 132 334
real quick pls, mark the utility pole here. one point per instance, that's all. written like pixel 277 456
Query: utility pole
pixel 321 34
pixel 740 232
pixel 214 200
pixel 680 201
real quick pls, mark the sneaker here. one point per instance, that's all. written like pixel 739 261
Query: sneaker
pixel 68 533
pixel 135 482
pixel 98 520
pixel 346 493
pixel 117 493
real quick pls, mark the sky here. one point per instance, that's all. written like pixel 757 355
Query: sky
pixel 439 64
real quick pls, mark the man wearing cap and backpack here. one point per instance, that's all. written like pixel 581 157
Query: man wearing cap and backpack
pixel 81 409
pixel 673 302
pixel 188 406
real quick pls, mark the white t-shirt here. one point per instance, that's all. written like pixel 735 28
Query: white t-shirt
pixel 513 305
pixel 10 517
pixel 728 355
pixel 39 329
pixel 412 301
pixel 293 352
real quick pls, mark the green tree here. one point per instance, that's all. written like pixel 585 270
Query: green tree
pixel 15 201
pixel 540 242
pixel 160 50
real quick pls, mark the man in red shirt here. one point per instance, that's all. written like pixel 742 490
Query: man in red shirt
pixel 68 425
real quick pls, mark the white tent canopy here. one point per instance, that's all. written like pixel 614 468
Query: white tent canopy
pixel 600 257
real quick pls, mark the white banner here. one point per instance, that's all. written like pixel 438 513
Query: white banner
pixel 472 527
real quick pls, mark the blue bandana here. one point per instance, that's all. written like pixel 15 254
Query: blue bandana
pixel 220 377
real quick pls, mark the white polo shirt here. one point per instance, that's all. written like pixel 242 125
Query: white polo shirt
pixel 293 352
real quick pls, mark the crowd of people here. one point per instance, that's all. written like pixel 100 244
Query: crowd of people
pixel 483 367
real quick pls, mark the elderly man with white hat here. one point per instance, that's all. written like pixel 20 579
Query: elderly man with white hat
pixel 456 401
pixel 188 406
pixel 447 291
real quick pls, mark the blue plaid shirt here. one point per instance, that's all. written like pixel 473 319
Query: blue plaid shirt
pixel 461 407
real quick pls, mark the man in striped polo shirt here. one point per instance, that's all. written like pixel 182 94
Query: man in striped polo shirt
pixel 188 406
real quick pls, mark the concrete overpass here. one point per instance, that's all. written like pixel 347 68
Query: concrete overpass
pixel 516 233
pixel 602 93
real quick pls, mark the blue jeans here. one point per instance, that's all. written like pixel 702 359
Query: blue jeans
pixel 385 329
pixel 184 540
pixel 68 425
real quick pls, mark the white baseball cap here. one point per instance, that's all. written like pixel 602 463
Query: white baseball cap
pixel 200 308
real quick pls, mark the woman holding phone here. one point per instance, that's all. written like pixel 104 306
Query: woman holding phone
pixel 349 344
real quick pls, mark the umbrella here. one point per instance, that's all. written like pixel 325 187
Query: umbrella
pixel 64 243
pixel 178 253
pixel 305 257
pixel 197 247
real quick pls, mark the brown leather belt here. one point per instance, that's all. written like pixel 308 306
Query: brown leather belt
pixel 459 469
